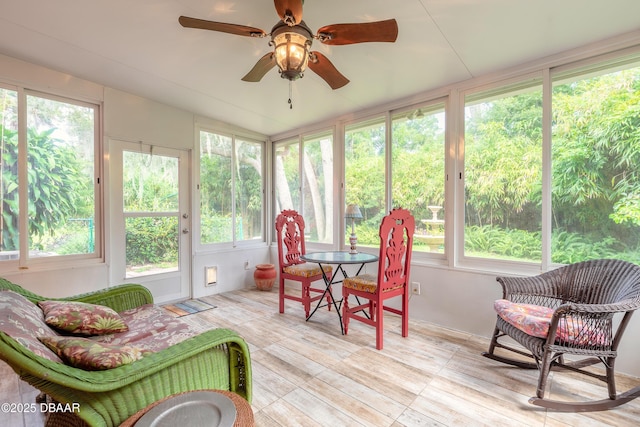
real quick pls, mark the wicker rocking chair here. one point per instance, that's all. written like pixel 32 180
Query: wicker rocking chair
pixel 577 304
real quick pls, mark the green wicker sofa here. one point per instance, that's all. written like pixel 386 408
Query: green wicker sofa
pixel 213 359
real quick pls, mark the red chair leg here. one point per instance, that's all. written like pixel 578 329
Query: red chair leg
pixel 281 294
pixel 379 325
pixel 306 298
pixel 405 314
pixel 345 313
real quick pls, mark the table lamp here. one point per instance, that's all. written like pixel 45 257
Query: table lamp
pixel 353 212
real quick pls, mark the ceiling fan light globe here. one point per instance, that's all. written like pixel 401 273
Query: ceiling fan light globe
pixel 291 49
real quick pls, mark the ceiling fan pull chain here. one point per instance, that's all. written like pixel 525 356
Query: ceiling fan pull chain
pixel 290 102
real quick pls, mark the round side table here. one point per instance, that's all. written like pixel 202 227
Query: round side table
pixel 244 415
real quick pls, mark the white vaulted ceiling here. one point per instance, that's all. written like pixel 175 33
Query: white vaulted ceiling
pixel 139 47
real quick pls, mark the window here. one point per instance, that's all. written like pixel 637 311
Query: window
pixel 318 189
pixel 305 183
pixel 545 169
pixel 592 154
pixel 287 176
pixel 595 158
pixel 503 174
pixel 10 238
pixel 365 165
pixel 49 193
pixel 231 189
pixel 415 155
pixel 418 172
pixel 151 208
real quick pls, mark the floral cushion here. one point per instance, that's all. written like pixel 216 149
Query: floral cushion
pixel 82 318
pixel 89 355
pixel 23 321
pixel 151 328
pixel 307 269
pixel 535 320
pixel 363 282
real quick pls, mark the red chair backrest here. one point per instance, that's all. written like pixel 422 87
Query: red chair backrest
pixel 396 245
pixel 290 235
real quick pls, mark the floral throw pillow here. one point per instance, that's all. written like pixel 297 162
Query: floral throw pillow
pixel 89 355
pixel 82 318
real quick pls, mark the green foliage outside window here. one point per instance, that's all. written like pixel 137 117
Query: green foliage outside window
pixel 59 152
pixel 57 192
pixel 596 153
pixel 152 241
pixel 595 192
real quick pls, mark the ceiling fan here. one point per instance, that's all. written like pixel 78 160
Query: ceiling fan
pixel 292 38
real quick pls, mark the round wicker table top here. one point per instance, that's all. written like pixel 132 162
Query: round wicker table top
pixel 244 416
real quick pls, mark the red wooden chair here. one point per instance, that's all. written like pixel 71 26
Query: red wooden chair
pixel 290 235
pixel 396 242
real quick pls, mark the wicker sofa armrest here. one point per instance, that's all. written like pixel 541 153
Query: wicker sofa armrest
pixel 214 359
pixel 119 298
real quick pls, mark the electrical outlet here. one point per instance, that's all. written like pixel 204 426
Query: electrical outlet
pixel 246 265
pixel 415 288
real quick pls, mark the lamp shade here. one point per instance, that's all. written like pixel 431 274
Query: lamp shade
pixel 353 211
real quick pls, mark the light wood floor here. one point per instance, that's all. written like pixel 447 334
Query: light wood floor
pixel 308 374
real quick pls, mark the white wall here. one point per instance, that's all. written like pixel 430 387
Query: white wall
pixel 232 273
pixel 132 118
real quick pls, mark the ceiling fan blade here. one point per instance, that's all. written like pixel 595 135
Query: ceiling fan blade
pixel 261 68
pixel 240 30
pixel 340 34
pixel 319 64
pixel 290 11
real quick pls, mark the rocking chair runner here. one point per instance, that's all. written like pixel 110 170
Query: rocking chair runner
pixel 291 246
pixel 569 312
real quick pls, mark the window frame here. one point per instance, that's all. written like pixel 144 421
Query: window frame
pixel 486 92
pixel 24 261
pixel 300 140
pixel 549 76
pixel 369 121
pixel 197 224
pixel 436 104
